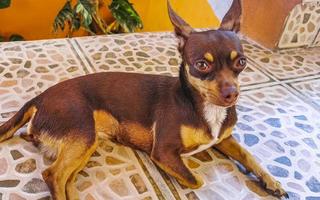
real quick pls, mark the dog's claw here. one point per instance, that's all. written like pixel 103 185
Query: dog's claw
pixel 277 192
pixel 286 195
pixel 274 188
pixel 263 184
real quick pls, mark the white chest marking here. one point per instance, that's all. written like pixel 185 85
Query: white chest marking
pixel 215 115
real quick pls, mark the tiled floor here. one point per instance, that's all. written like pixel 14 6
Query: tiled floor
pixel 278 120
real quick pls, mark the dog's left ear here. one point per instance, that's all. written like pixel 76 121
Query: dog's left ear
pixel 231 21
pixel 181 28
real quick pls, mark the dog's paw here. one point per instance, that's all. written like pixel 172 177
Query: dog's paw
pixel 199 181
pixel 195 184
pixel 274 187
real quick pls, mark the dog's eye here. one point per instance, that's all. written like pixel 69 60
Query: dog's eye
pixel 202 66
pixel 242 62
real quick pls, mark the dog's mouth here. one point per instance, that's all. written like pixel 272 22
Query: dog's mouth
pixel 230 103
pixel 223 101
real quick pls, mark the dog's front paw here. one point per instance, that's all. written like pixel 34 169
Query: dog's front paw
pixel 274 187
pixel 196 183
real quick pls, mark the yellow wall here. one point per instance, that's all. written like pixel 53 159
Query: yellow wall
pixel 33 18
pixel 197 13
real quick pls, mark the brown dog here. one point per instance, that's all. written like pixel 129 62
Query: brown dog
pixel 165 117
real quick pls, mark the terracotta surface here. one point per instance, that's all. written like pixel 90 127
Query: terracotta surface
pixel 264 21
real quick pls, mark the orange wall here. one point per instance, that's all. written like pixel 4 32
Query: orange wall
pixel 30 18
pixel 33 19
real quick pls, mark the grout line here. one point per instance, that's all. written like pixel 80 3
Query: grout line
pixel 152 171
pixel 272 80
pixel 169 182
pixel 313 43
pixel 264 71
pixel 85 55
pixel 300 79
pixel 150 179
pixel 82 55
pixel 86 70
pixel 285 83
pixel 259 86
pixel 301 96
pixel 288 86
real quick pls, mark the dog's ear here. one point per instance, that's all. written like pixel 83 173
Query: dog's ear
pixel 181 28
pixel 231 21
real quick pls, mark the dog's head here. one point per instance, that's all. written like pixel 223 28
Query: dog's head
pixel 212 60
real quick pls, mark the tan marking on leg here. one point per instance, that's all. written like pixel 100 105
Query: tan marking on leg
pixel 127 133
pixel 70 156
pixel 29 136
pixel 232 148
pixel 71 191
pixel 30 112
pixel 226 133
pixel 106 123
pixel 49 145
pixel 175 167
pixel 136 136
pixel 193 137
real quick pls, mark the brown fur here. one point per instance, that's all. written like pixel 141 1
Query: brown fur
pixel 162 116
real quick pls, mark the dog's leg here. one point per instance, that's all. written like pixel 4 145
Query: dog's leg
pixel 166 151
pixel 136 136
pixel 71 191
pixel 172 164
pixel 232 148
pixel 70 156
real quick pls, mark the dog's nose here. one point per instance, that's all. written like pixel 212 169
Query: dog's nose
pixel 229 93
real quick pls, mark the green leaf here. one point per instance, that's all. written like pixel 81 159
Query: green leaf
pixel 66 14
pixel 85 9
pixel 5 3
pixel 16 37
pixel 75 24
pixel 1 38
pixel 85 14
pixel 125 15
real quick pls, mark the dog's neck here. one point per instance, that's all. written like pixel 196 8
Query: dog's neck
pixel 187 89
pixel 208 114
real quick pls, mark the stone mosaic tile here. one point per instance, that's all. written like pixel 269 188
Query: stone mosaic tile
pixel 222 180
pixel 20 171
pixel 284 64
pixel 310 89
pixel 28 68
pixel 113 172
pixel 316 42
pixel 283 134
pixel 287 140
pixel 278 128
pixel 150 53
pixel 302 25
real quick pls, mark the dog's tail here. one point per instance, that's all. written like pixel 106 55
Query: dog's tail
pixel 8 129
